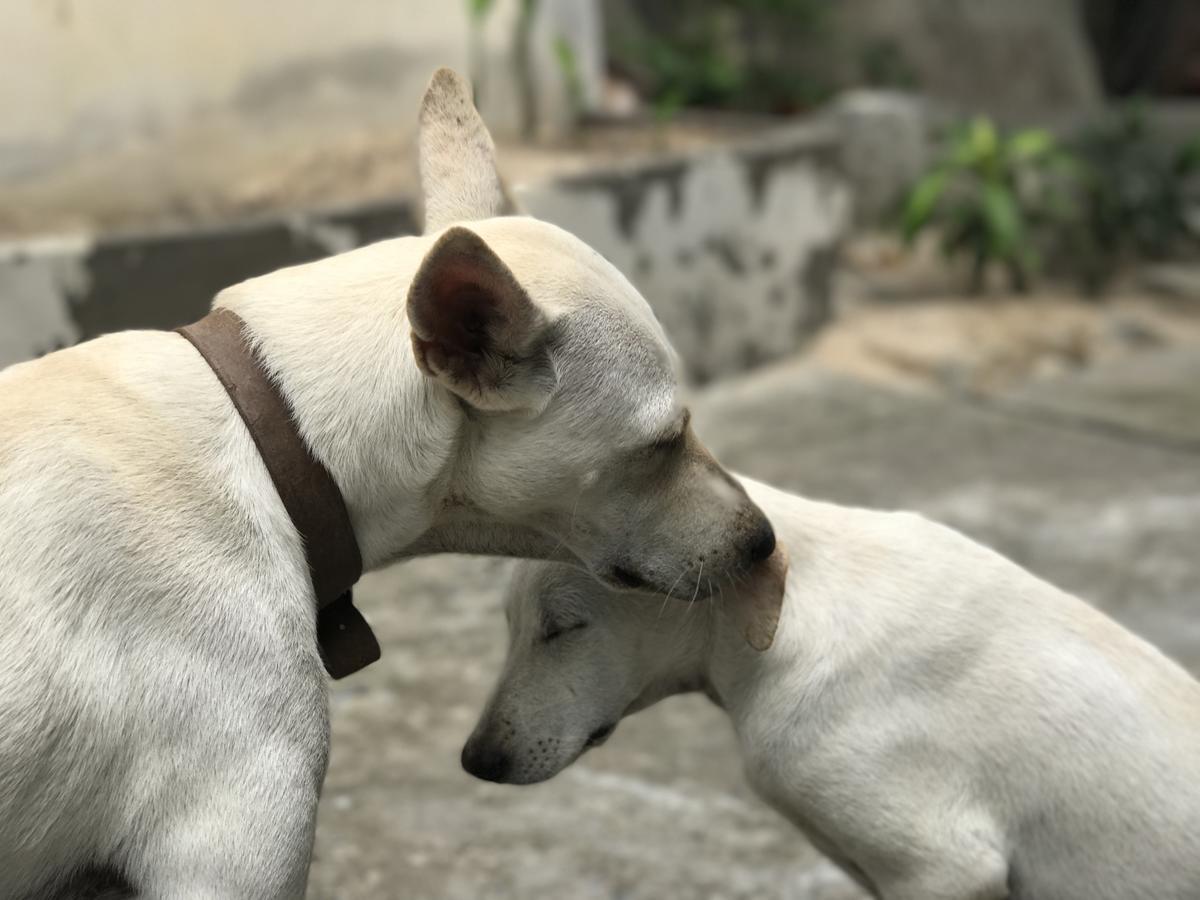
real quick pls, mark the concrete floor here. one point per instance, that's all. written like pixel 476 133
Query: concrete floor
pixel 1091 482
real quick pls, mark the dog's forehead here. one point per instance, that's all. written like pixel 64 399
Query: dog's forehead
pixel 614 358
pixel 538 585
pixel 561 273
pixel 624 375
pixel 525 588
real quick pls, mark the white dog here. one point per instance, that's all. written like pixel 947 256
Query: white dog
pixel 490 388
pixel 941 723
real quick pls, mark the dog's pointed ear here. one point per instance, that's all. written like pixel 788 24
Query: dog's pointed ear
pixel 459 177
pixel 476 330
pixel 759 602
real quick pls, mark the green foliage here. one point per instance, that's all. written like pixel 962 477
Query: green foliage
pixel 728 54
pixel 1114 193
pixel 479 9
pixel 1130 198
pixel 884 65
pixel 692 70
pixel 568 65
pixel 989 194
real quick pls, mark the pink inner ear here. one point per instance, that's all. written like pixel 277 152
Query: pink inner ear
pixel 464 306
pixel 464 312
pixel 464 320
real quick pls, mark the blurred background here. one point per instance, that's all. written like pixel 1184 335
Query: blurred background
pixel 934 254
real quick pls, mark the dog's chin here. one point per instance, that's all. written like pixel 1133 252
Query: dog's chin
pixel 596 738
pixel 524 778
pixel 544 769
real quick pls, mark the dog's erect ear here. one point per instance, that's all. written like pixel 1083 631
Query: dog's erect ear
pixel 759 602
pixel 459 177
pixel 475 329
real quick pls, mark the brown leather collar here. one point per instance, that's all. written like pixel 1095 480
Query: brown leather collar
pixel 309 493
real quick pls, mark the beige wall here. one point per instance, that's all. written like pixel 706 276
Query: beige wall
pixel 79 73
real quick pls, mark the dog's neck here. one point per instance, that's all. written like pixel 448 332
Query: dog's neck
pixel 722 665
pixel 702 651
pixel 677 633
pixel 341 353
pixel 732 669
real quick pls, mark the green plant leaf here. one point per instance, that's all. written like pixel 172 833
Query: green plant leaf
pixel 568 65
pixel 921 202
pixel 1030 144
pixel 1002 218
pixel 480 8
pixel 961 149
pixel 667 105
pixel 983 140
pixel 963 231
pixel 1188 159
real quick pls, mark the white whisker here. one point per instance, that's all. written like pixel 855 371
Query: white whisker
pixel 571 529
pixel 671 590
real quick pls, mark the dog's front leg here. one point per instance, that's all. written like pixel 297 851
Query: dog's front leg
pixel 249 837
pixel 245 834
pixel 232 811
pixel 945 881
pixel 230 852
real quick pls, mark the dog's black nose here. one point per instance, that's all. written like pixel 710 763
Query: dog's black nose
pixel 764 543
pixel 486 761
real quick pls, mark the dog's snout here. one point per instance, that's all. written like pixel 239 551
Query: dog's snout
pixel 762 544
pixel 485 760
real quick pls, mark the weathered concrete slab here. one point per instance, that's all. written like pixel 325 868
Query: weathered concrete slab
pixel 1013 58
pixel 1178 280
pixel 54 293
pixel 661 810
pixel 1156 395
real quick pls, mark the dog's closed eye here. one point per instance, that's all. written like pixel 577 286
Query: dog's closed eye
pixel 674 438
pixel 553 630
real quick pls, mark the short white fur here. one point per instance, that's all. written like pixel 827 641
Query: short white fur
pixel 162 702
pixel 940 722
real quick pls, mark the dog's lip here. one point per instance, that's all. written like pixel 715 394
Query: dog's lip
pixel 627 578
pixel 600 735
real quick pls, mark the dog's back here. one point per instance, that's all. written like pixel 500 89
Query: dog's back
pixel 962 705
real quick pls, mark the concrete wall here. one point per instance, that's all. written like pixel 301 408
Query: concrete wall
pixel 57 292
pixel 1009 58
pixel 79 75
pixel 733 248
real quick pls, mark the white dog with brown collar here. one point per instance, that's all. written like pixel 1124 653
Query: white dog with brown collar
pixel 494 386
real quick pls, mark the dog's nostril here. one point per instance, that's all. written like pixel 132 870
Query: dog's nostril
pixel 764 543
pixel 486 761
